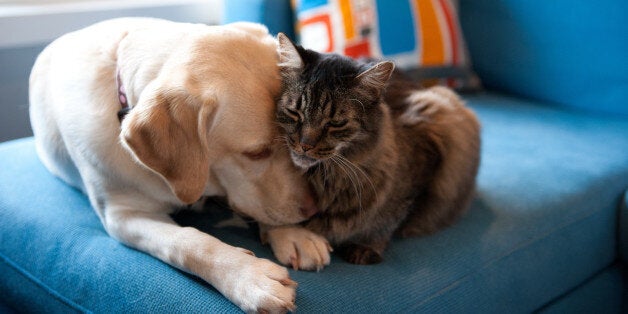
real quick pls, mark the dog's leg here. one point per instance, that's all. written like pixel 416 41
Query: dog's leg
pixel 254 284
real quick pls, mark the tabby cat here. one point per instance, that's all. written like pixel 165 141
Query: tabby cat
pixel 383 156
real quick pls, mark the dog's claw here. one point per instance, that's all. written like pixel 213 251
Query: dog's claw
pixel 289 283
pixel 295 262
pixel 299 248
pixel 245 251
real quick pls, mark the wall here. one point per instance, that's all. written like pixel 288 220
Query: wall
pixel 26 29
pixel 15 64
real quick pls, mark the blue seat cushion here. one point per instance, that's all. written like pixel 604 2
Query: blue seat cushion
pixel 544 221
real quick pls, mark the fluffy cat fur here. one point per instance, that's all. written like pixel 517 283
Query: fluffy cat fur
pixel 382 154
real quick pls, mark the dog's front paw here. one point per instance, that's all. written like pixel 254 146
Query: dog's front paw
pixel 258 285
pixel 298 247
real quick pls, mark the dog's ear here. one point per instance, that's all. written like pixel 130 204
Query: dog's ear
pixel 167 132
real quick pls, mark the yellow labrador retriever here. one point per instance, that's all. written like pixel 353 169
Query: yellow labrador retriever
pixel 200 102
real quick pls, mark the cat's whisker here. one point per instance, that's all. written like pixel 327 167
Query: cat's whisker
pixel 353 177
pixel 283 140
pixel 325 165
pixel 355 186
pixel 364 174
pixel 348 166
pixel 360 102
pixel 340 166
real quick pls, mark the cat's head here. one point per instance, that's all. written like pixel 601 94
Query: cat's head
pixel 330 104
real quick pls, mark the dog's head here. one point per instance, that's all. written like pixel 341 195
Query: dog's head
pixel 206 125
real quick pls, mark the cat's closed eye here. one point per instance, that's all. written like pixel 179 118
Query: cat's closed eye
pixel 293 114
pixel 337 124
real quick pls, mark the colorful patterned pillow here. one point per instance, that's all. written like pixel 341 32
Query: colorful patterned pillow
pixel 421 36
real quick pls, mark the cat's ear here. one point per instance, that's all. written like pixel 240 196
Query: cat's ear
pixel 289 57
pixel 375 78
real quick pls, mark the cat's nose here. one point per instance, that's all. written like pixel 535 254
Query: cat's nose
pixel 307 142
pixel 306 147
pixel 309 137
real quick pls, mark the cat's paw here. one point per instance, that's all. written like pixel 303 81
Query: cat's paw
pixel 410 230
pixel 425 103
pixel 298 247
pixel 360 254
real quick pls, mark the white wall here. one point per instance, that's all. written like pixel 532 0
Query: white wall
pixel 27 27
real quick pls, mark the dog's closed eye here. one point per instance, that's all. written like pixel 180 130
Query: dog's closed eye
pixel 258 154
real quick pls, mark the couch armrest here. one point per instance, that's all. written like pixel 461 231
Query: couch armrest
pixel 623 229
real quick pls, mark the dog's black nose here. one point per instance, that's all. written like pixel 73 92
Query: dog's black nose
pixel 309 208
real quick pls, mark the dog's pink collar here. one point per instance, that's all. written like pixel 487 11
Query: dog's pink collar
pixel 124 101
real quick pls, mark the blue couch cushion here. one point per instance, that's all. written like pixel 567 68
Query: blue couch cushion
pixel 543 222
pixel 571 53
pixel 56 257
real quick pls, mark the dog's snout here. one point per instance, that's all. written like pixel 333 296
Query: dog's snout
pixel 309 208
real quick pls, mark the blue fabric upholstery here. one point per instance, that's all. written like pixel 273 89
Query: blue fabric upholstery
pixel 604 291
pixel 5 309
pixel 571 53
pixel 275 14
pixel 544 221
pixel 623 229
pixel 55 255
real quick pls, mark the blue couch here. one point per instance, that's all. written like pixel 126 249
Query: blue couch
pixel 547 232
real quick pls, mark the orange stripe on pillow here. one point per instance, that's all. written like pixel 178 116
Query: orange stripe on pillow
pixel 326 22
pixel 432 48
pixel 347 18
pixel 449 16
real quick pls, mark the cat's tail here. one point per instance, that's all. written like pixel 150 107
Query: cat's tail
pixel 454 131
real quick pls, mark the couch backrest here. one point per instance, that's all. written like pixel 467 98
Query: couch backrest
pixel 572 53
pixel 277 15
